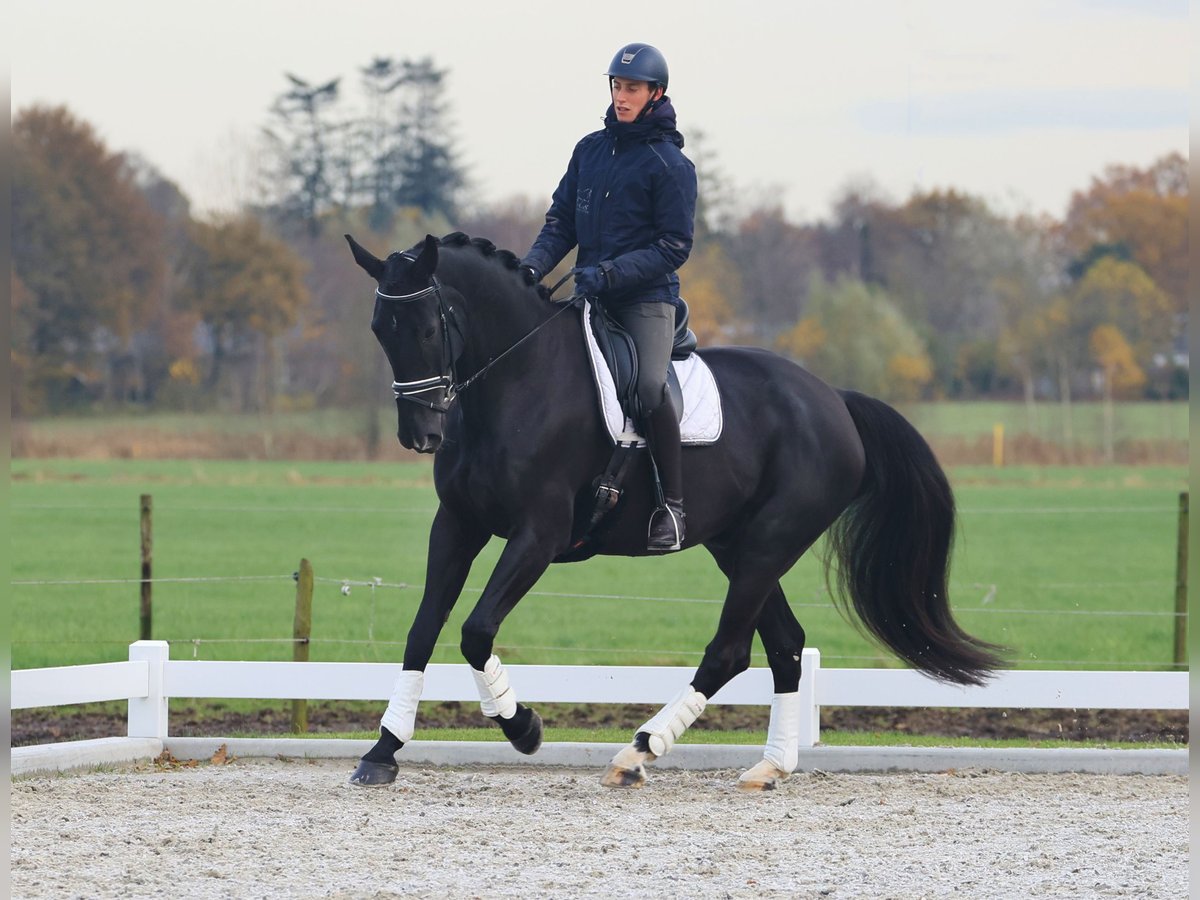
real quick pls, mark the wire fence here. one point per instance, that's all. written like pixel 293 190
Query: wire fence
pixel 821 599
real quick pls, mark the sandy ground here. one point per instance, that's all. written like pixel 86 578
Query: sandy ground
pixel 270 828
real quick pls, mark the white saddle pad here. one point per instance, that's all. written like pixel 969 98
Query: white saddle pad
pixel 701 422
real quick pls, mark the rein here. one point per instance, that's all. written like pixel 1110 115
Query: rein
pixel 448 381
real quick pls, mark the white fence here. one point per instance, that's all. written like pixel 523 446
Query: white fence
pixel 150 679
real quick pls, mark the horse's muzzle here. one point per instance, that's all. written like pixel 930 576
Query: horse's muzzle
pixel 428 443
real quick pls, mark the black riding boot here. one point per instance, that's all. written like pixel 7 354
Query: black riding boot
pixel 666 529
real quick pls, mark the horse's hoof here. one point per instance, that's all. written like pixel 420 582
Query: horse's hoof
pixel 626 769
pixel 618 777
pixel 762 776
pixel 373 774
pixel 523 730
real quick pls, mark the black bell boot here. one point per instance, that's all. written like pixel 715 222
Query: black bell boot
pixel 666 531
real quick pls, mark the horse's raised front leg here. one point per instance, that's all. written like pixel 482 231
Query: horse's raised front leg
pixel 527 555
pixel 783 639
pixel 453 546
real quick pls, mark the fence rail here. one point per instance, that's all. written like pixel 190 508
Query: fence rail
pixel 150 679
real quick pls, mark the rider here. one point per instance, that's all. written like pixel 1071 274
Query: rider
pixel 628 201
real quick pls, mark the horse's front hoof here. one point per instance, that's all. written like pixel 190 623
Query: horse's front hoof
pixel 762 776
pixel 373 774
pixel 523 730
pixel 617 777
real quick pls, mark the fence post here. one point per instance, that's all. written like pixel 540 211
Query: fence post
pixel 810 712
pixel 148 715
pixel 1181 579
pixel 301 632
pixel 146 627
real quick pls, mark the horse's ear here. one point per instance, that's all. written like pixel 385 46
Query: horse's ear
pixel 426 262
pixel 372 265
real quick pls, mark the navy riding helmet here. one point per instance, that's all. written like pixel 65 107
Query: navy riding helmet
pixel 639 62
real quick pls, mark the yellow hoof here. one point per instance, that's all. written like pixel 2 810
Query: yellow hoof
pixel 615 776
pixel 762 776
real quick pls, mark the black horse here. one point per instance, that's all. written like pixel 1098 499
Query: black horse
pixel 517 451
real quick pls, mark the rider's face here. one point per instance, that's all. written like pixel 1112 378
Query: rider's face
pixel 630 98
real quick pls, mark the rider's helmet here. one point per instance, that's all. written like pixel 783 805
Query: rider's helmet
pixel 640 62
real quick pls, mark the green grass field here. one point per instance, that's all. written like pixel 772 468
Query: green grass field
pixel 1072 567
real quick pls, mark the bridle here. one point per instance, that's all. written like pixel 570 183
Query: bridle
pixel 448 381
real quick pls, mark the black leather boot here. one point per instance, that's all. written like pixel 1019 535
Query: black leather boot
pixel 666 531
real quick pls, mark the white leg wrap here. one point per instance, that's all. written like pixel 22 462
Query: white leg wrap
pixel 783 734
pixel 673 720
pixel 496 697
pixel 400 717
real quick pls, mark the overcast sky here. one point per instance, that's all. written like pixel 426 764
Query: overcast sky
pixel 1020 102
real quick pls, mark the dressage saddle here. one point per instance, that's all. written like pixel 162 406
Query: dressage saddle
pixel 617 348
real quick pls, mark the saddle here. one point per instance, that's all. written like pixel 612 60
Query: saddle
pixel 619 353
pixel 617 348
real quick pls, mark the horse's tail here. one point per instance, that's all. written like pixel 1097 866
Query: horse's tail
pixel 893 550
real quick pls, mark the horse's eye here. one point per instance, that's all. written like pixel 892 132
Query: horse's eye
pixel 430 332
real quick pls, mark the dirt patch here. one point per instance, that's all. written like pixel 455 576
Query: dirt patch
pixel 40 726
pixel 268 828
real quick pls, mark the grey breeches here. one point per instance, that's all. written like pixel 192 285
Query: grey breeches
pixel 652 327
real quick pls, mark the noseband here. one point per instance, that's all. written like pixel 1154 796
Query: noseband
pixel 446 381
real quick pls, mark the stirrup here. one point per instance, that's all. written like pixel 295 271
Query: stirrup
pixel 668 535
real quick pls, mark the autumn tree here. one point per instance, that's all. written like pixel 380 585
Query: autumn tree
pixel 247 287
pixel 1119 372
pixel 87 252
pixel 853 335
pixel 1140 215
pixel 709 283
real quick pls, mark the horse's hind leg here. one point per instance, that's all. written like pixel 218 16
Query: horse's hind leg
pixel 752 580
pixel 783 639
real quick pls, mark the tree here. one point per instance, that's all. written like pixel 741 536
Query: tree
pixel 428 174
pixel 247 288
pixel 775 259
pixel 1140 215
pixel 301 139
pixel 1121 294
pixel 708 283
pixel 87 251
pixel 1119 373
pixel 855 336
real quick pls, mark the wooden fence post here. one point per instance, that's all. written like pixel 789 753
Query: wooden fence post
pixel 146 615
pixel 1181 585
pixel 301 632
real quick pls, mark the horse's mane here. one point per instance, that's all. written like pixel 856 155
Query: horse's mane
pixel 488 250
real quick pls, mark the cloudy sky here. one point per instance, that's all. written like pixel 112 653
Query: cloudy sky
pixel 1020 102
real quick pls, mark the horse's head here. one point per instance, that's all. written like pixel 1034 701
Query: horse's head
pixel 417 322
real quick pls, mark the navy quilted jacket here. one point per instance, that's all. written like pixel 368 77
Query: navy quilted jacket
pixel 628 200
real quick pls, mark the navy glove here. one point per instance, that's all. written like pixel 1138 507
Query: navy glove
pixel 531 275
pixel 591 281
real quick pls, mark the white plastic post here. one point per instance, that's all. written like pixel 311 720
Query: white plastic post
pixel 810 712
pixel 148 715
